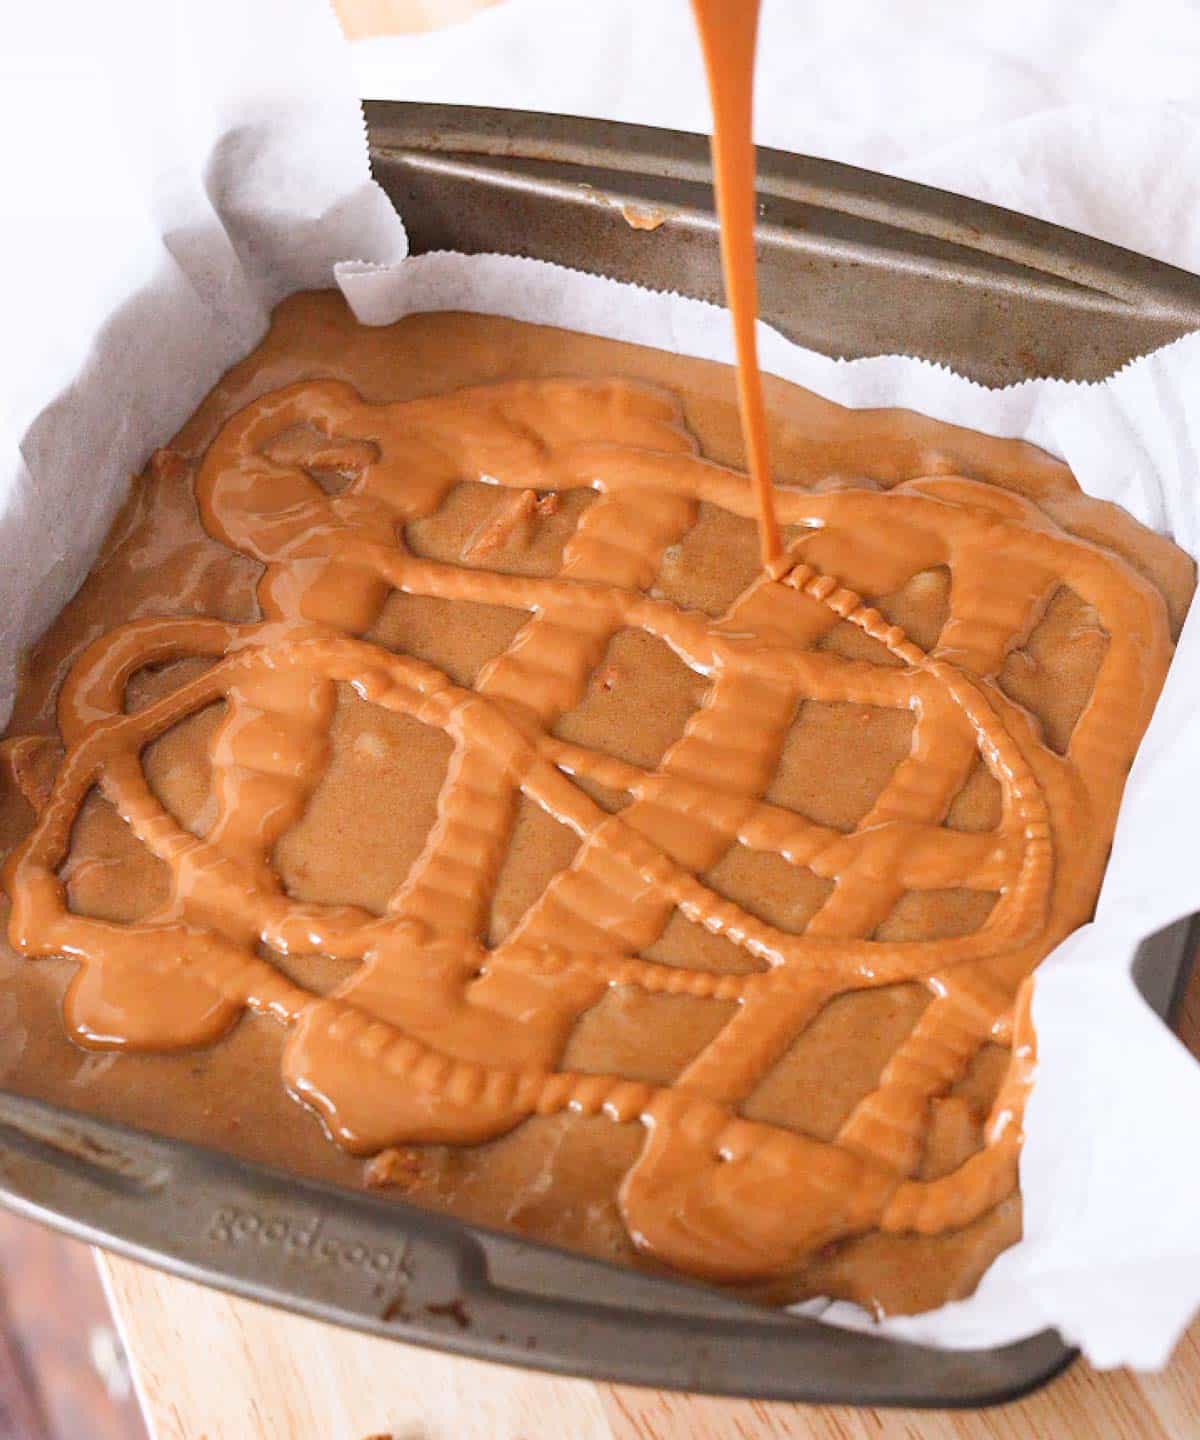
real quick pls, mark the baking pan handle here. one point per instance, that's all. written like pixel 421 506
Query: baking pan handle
pixel 530 146
pixel 392 1269
pixel 850 263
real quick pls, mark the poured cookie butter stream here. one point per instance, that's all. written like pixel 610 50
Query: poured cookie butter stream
pixel 728 35
pixel 435 1037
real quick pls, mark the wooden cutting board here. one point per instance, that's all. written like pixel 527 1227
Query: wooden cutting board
pixel 209 1367
pixel 363 18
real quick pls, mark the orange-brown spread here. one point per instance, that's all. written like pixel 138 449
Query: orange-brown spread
pixel 729 39
pixel 613 870
pixel 593 830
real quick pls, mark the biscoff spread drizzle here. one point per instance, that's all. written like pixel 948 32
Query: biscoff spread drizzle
pixel 729 39
pixel 436 1037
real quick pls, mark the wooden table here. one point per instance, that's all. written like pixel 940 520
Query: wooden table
pixel 213 1368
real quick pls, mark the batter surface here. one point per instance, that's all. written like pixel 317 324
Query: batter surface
pixel 447 750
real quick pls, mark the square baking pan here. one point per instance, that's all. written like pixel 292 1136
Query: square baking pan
pixel 852 263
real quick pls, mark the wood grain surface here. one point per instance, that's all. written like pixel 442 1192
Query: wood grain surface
pixel 362 19
pixel 210 1367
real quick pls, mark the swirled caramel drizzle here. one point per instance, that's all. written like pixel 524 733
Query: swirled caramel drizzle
pixel 437 1036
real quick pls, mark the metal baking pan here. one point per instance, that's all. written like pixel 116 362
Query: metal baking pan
pixel 852 264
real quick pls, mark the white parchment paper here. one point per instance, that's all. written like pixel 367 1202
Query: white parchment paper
pixel 228 169
pixel 170 172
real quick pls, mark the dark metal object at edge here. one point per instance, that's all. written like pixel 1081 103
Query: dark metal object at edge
pixel 852 263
